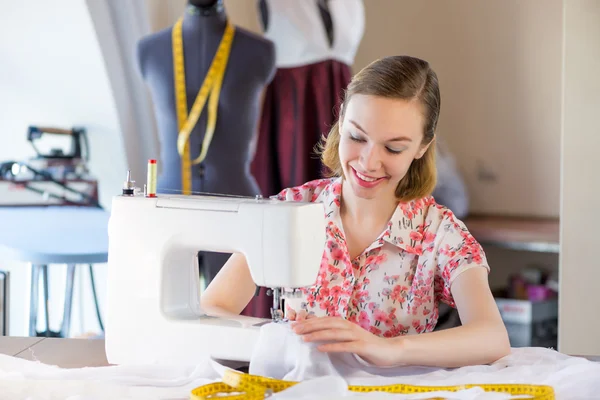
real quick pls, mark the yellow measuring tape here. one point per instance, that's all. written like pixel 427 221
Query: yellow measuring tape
pixel 249 387
pixel 211 86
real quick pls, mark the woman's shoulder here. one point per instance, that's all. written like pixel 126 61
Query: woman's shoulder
pixel 437 216
pixel 450 231
pixel 307 192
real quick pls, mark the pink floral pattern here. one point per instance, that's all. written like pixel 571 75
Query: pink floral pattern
pixel 394 287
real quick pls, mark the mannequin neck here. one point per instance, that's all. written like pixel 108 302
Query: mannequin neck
pixel 210 18
pixel 208 10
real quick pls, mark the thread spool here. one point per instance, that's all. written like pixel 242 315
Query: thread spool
pixel 151 179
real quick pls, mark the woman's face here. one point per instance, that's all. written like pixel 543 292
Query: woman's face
pixel 379 139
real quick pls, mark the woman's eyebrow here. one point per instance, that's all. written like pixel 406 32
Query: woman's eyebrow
pixel 396 139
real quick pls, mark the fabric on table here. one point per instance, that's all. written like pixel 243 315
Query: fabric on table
pixel 281 354
pixel 24 379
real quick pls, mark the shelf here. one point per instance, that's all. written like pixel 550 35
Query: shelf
pixel 527 234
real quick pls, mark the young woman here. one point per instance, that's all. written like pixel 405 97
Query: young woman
pixel 392 253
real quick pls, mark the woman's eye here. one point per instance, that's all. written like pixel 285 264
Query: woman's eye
pixel 393 151
pixel 356 138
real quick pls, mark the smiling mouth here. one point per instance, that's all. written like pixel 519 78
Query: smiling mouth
pixel 366 178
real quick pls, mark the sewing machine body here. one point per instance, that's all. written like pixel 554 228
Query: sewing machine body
pixel 154 311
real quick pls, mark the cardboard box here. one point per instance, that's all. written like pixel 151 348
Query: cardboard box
pixel 530 324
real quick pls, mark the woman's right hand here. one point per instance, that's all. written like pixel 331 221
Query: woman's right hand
pixel 292 315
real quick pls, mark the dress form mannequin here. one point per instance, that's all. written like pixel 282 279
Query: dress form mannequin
pixel 250 68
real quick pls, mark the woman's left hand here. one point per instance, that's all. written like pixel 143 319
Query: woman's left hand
pixel 348 337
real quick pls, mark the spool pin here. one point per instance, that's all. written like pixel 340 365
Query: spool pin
pixel 151 179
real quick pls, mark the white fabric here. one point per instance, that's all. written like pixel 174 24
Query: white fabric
pixel 297 30
pixel 281 354
pixel 23 379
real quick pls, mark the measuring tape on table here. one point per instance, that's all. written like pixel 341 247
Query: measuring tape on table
pixel 211 86
pixel 250 387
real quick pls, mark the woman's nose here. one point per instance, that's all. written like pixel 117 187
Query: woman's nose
pixel 370 159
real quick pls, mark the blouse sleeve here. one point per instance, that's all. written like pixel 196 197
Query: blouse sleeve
pixel 458 252
pixel 304 193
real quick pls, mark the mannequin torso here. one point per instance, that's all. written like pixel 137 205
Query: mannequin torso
pixel 250 68
pixel 311 31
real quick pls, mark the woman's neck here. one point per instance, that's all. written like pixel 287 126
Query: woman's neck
pixel 366 211
pixel 206 19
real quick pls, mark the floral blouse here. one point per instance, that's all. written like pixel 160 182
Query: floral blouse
pixel 394 287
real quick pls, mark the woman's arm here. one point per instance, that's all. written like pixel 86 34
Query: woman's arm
pixel 482 338
pixel 231 289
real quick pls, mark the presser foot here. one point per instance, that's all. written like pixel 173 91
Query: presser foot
pixel 277 315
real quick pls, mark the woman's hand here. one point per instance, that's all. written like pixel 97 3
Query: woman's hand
pixel 297 316
pixel 345 336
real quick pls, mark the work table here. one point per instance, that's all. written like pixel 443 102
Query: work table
pixel 68 353
pixel 64 353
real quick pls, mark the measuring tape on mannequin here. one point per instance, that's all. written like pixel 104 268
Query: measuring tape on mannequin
pixel 249 387
pixel 211 86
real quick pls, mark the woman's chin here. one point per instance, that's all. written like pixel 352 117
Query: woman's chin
pixel 365 193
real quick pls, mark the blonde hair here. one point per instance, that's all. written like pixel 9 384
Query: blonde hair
pixel 396 77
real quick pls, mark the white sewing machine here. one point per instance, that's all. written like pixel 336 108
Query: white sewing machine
pixel 154 314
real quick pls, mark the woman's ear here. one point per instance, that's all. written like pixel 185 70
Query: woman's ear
pixel 424 148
